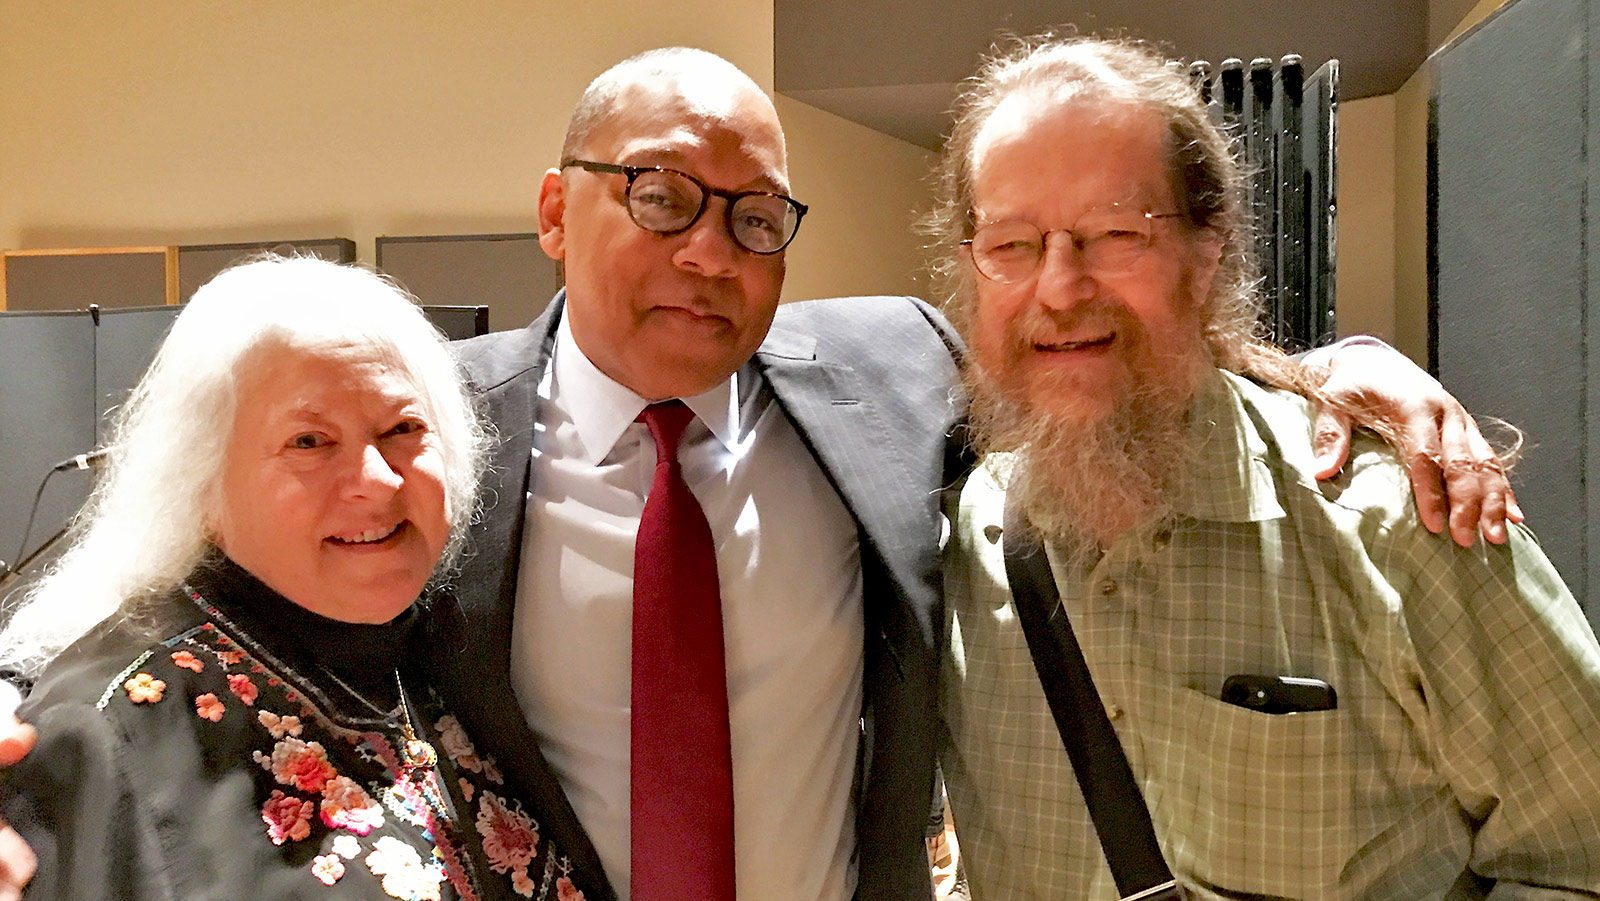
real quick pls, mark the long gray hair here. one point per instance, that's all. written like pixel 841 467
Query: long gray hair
pixel 1206 180
pixel 145 526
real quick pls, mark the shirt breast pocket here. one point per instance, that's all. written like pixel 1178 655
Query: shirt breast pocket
pixel 1256 803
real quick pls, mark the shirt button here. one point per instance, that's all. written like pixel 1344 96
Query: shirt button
pixel 1108 587
pixel 1113 712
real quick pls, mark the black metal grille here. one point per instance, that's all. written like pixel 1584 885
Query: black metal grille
pixel 1282 124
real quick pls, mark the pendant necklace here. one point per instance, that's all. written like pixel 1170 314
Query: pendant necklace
pixel 420 757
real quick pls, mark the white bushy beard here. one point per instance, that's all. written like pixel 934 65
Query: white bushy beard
pixel 1086 477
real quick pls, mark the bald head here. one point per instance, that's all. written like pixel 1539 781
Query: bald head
pixel 693 77
pixel 665 313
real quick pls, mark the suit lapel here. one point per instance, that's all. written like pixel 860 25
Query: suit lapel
pixel 833 408
pixel 505 371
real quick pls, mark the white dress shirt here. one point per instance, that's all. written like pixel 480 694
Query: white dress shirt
pixel 789 567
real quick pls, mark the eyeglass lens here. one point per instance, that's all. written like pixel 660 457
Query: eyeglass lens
pixel 1111 240
pixel 665 201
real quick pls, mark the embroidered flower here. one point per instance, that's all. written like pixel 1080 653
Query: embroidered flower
pixel 301 764
pixel 492 772
pixel 288 818
pixel 279 726
pixel 457 744
pixel 566 891
pixel 242 688
pixel 187 660
pixel 208 707
pixel 521 884
pixel 231 658
pixel 509 837
pixel 346 846
pixel 394 797
pixel 346 805
pixel 466 788
pixel 144 689
pixel 404 875
pixel 328 868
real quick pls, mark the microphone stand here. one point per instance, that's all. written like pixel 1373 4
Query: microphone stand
pixel 91 460
pixel 11 576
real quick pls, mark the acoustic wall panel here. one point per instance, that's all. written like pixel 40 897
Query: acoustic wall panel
pixel 1510 259
pixel 507 273
pixel 197 263
pixel 72 279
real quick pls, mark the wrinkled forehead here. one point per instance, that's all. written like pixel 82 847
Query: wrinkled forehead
pixel 272 367
pixel 1042 142
pixel 696 122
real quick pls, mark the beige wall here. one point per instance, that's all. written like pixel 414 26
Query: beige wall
pixel 864 189
pixel 1364 277
pixel 170 121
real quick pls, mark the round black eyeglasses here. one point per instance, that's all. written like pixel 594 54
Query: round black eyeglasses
pixel 666 201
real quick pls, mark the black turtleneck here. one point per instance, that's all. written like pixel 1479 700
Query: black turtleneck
pixel 364 656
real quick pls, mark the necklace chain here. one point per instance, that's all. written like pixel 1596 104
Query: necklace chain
pixel 420 757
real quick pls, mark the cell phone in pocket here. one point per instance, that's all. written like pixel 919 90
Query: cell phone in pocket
pixel 1278 694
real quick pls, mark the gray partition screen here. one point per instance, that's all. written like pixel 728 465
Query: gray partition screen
pixel 507 273
pixel 47 413
pixel 197 263
pixel 459 322
pixel 60 376
pixel 1513 256
pixel 125 343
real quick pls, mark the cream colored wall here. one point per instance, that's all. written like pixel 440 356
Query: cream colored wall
pixel 174 122
pixel 1364 276
pixel 864 189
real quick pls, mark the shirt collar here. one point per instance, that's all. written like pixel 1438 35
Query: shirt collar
pixel 601 409
pixel 1231 480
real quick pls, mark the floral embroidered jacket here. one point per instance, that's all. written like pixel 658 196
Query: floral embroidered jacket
pixel 238 746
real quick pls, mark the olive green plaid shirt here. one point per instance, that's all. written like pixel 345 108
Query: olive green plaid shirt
pixel 1467 734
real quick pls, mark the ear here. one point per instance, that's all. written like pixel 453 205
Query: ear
pixel 1205 257
pixel 552 215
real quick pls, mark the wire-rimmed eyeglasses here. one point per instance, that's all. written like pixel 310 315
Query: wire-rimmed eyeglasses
pixel 666 201
pixel 1111 240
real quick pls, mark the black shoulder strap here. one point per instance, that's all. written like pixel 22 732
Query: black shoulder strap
pixel 1115 803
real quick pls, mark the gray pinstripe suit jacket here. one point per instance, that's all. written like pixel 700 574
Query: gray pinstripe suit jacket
pixel 867 382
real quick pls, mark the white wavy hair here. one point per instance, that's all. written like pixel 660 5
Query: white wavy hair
pixel 144 527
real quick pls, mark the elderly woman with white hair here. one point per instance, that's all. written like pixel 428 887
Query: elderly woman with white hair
pixel 234 714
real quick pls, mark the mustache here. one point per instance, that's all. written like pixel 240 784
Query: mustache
pixel 1037 324
pixel 703 299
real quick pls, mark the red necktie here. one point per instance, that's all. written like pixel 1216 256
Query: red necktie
pixel 682 765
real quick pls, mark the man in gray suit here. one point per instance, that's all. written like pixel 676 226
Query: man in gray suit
pixel 819 436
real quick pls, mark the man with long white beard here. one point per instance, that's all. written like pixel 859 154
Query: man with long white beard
pixel 1439 730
